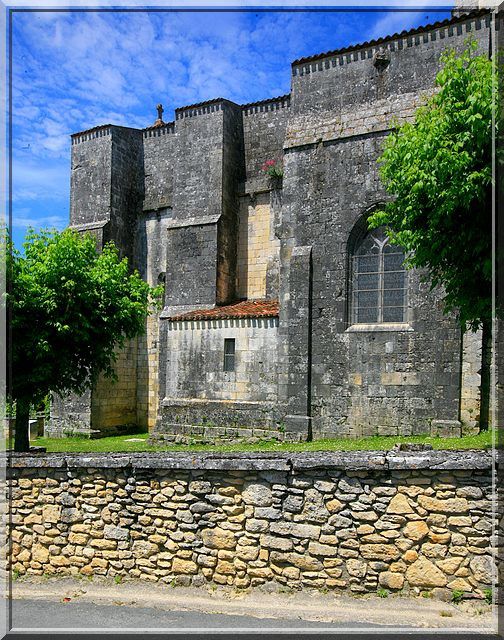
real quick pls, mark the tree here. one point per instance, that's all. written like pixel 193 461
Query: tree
pixel 438 169
pixel 69 307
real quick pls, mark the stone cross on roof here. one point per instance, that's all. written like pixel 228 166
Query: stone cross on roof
pixel 159 122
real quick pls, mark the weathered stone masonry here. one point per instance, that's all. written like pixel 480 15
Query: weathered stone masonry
pixel 188 203
pixel 348 522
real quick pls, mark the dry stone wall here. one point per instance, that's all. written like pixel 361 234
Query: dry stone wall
pixel 405 522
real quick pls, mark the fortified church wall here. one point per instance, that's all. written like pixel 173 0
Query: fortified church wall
pixel 260 333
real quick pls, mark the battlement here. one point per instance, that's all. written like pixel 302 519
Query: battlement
pixel 202 108
pixel 270 104
pixel 90 134
pixel 215 105
pixel 100 131
pixel 159 130
pixel 454 26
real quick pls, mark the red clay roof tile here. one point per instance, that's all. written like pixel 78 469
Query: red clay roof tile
pixel 241 309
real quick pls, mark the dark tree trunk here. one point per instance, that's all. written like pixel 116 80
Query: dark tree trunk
pixel 486 360
pixel 22 438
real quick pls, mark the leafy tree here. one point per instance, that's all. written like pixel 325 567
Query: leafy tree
pixel 439 171
pixel 69 308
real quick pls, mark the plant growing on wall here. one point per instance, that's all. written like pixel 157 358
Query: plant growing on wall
pixel 272 169
pixel 69 308
pixel 439 171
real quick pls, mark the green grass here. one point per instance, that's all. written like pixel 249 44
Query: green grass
pixel 457 596
pixel 121 444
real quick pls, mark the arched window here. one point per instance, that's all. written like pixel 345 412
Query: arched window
pixel 378 280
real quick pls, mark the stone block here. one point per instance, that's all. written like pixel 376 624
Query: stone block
pixel 51 513
pixel 423 573
pixel 399 505
pixel 184 566
pixel 416 530
pixel 295 530
pixel 386 552
pixel 257 494
pixel 446 428
pixel 112 532
pixel 451 505
pixel 391 580
pixel 482 567
pixel 218 538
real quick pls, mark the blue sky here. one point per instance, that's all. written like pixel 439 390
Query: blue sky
pixel 75 70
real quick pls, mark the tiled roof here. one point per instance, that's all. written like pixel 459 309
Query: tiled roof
pixel 158 124
pixel 403 34
pixel 242 309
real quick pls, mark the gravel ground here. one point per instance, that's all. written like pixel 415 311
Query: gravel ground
pixel 281 609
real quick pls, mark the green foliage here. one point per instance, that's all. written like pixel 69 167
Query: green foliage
pixel 272 169
pixel 438 169
pixel 382 593
pixel 488 595
pixel 70 307
pixel 457 595
pixel 8 408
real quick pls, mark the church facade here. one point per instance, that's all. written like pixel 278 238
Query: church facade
pixel 283 315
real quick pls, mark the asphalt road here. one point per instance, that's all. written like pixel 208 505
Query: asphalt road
pixel 43 614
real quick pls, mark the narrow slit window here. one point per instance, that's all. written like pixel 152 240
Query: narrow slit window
pixel 229 354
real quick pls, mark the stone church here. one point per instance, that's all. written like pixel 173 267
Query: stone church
pixel 283 316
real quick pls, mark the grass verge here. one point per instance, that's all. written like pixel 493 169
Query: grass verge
pixel 139 443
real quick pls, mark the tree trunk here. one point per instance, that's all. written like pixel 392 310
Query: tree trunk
pixel 22 438
pixel 486 360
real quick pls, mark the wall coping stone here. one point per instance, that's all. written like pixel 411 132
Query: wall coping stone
pixel 98 224
pixel 175 223
pixel 282 461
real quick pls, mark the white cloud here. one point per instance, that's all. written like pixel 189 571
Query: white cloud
pixel 397 21
pixel 34 181
pixel 20 220
pixel 73 71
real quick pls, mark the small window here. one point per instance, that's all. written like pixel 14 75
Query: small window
pixel 229 354
pixel 379 280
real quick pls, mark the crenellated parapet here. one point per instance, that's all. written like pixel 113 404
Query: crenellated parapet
pixel 263 106
pixel 159 130
pixel 202 108
pixel 467 23
pixel 91 134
